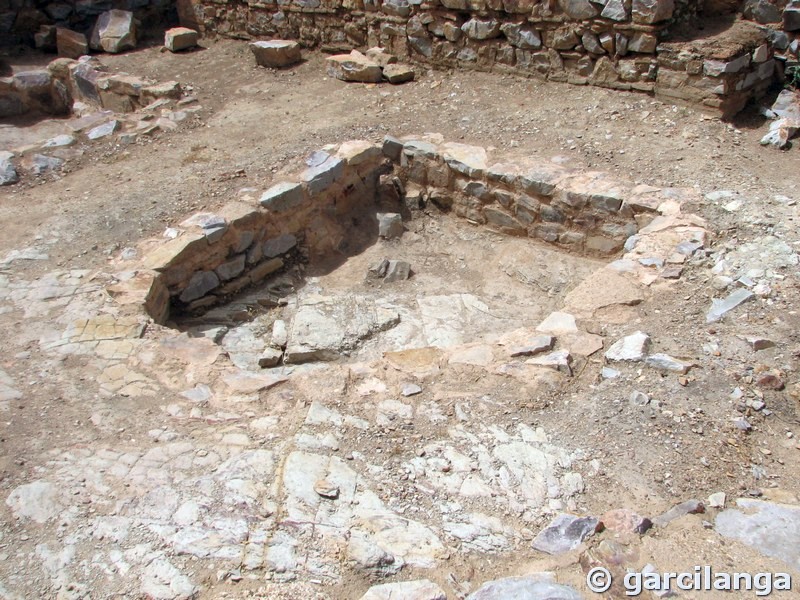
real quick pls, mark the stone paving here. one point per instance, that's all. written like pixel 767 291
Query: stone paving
pixel 314 472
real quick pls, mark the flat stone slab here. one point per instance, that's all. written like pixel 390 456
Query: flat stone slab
pixel 422 589
pixel 601 289
pixel 533 346
pixel 326 327
pixel 396 74
pixel 533 587
pixel 772 529
pixel 690 507
pixel 721 307
pixel 558 323
pixel 38 501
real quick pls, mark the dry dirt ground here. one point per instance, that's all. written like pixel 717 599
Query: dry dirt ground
pixel 255 123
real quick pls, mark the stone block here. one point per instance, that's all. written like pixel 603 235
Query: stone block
pixel 323 171
pixel 282 197
pixel 199 285
pixel 578 9
pixel 354 67
pixel 276 54
pixel 180 38
pixel 480 29
pixel 71 44
pixel 114 31
pixel 652 11
pixel 522 36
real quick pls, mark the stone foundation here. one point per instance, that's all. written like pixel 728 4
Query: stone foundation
pixel 316 214
pixel 53 90
pixel 722 71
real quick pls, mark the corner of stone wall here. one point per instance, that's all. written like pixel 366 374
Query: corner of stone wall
pixel 217 254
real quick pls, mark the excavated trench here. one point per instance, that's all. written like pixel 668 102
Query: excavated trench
pixel 375 248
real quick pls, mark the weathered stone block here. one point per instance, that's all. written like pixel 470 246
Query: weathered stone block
pixel 268 267
pixel 652 11
pixel 392 148
pixel 591 42
pixel 390 225
pixel 578 9
pixel 282 197
pixel 527 209
pixel 354 67
pixel 791 17
pixel 231 268
pixel 398 73
pixel 615 10
pixel 323 171
pixel 503 221
pixel 279 245
pixel 397 8
pixel 380 57
pixel 114 31
pixel 276 54
pixel 563 38
pixel 479 29
pixel 359 152
pixel 166 89
pixel 547 232
pixel 522 36
pixel 200 284
pixel 180 38
pixel 467 160
pixel 643 43
pixel 71 44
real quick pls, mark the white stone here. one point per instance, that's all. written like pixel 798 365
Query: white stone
pixel 631 348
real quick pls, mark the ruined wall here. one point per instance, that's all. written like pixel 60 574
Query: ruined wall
pixel 609 43
pixel 215 255
pixel 21 20
pixel 53 90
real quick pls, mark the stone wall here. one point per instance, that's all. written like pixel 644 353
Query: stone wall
pixel 21 20
pixel 609 43
pixel 212 256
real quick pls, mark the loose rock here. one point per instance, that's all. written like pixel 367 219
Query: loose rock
pixel 690 507
pixel 8 174
pixel 390 225
pixel 397 270
pixel 631 348
pixel 719 308
pixel 565 533
pixel 354 67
